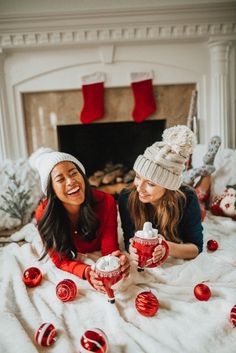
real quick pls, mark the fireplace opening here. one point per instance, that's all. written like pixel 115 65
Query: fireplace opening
pixel 115 145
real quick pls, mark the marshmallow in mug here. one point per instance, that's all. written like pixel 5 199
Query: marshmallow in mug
pixel 108 263
pixel 147 231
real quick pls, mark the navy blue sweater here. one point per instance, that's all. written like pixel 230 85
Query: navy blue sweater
pixel 189 229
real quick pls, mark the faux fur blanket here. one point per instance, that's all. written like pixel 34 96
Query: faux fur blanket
pixel 182 324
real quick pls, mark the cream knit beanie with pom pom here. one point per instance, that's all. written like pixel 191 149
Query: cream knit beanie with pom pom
pixel 163 162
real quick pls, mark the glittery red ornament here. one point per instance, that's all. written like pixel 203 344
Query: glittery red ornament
pixel 212 245
pixel 46 334
pixel 32 276
pixel 66 290
pixel 146 303
pixel 94 340
pixel 233 315
pixel 202 292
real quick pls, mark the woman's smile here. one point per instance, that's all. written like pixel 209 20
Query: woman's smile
pixel 74 192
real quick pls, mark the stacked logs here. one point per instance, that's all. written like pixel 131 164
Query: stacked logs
pixel 111 174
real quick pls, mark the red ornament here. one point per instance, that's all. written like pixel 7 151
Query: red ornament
pixel 202 292
pixel 94 340
pixel 233 315
pixel 212 245
pixel 146 303
pixel 46 334
pixel 66 290
pixel 32 276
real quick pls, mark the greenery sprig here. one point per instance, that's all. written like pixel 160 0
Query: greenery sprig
pixel 16 199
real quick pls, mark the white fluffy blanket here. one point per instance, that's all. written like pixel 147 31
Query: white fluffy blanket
pixel 182 324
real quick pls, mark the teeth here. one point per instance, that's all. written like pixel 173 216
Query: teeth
pixel 73 190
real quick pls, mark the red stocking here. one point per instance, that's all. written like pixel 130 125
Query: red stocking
pixel 145 103
pixel 93 95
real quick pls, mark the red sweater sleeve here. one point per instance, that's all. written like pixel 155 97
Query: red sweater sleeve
pixel 75 267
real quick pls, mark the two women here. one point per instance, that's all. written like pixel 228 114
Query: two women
pixel 76 219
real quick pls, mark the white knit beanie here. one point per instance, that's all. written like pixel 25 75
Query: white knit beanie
pixel 163 162
pixel 45 159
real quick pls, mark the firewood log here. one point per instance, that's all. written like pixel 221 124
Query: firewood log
pixel 129 177
pixel 111 177
pixel 96 180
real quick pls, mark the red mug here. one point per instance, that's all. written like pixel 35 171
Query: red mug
pixel 108 271
pixel 145 243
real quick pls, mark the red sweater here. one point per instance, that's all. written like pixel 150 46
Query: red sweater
pixel 106 240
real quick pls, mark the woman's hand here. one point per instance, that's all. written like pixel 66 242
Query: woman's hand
pixel 158 253
pixel 133 251
pixel 124 262
pixel 92 278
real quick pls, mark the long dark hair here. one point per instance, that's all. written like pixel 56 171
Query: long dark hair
pixel 167 214
pixel 54 226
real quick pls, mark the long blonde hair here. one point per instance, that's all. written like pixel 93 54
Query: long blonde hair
pixel 167 214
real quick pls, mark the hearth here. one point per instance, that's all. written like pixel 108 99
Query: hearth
pixel 97 144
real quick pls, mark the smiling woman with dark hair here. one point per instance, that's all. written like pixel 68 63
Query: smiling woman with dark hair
pixel 74 219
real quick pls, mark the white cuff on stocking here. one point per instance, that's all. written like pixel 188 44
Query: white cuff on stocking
pixel 93 78
pixel 141 76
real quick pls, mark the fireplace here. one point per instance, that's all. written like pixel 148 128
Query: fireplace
pixel 120 142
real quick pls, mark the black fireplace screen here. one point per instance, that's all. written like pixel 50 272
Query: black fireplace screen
pixel 120 142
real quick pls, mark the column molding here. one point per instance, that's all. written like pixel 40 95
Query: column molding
pixel 220 90
pixel 4 133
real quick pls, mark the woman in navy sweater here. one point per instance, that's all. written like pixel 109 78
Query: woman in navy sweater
pixel 158 196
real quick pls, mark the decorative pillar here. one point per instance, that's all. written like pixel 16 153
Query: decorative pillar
pixel 220 91
pixel 3 111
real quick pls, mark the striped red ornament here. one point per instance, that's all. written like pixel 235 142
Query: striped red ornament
pixel 233 315
pixel 94 340
pixel 46 334
pixel 146 303
pixel 66 290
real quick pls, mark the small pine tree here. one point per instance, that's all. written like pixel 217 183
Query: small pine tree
pixel 16 199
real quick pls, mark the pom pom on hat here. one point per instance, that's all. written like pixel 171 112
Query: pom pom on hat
pixel 180 139
pixel 45 159
pixel 164 162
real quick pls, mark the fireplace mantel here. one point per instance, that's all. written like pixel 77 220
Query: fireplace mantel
pixel 51 50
